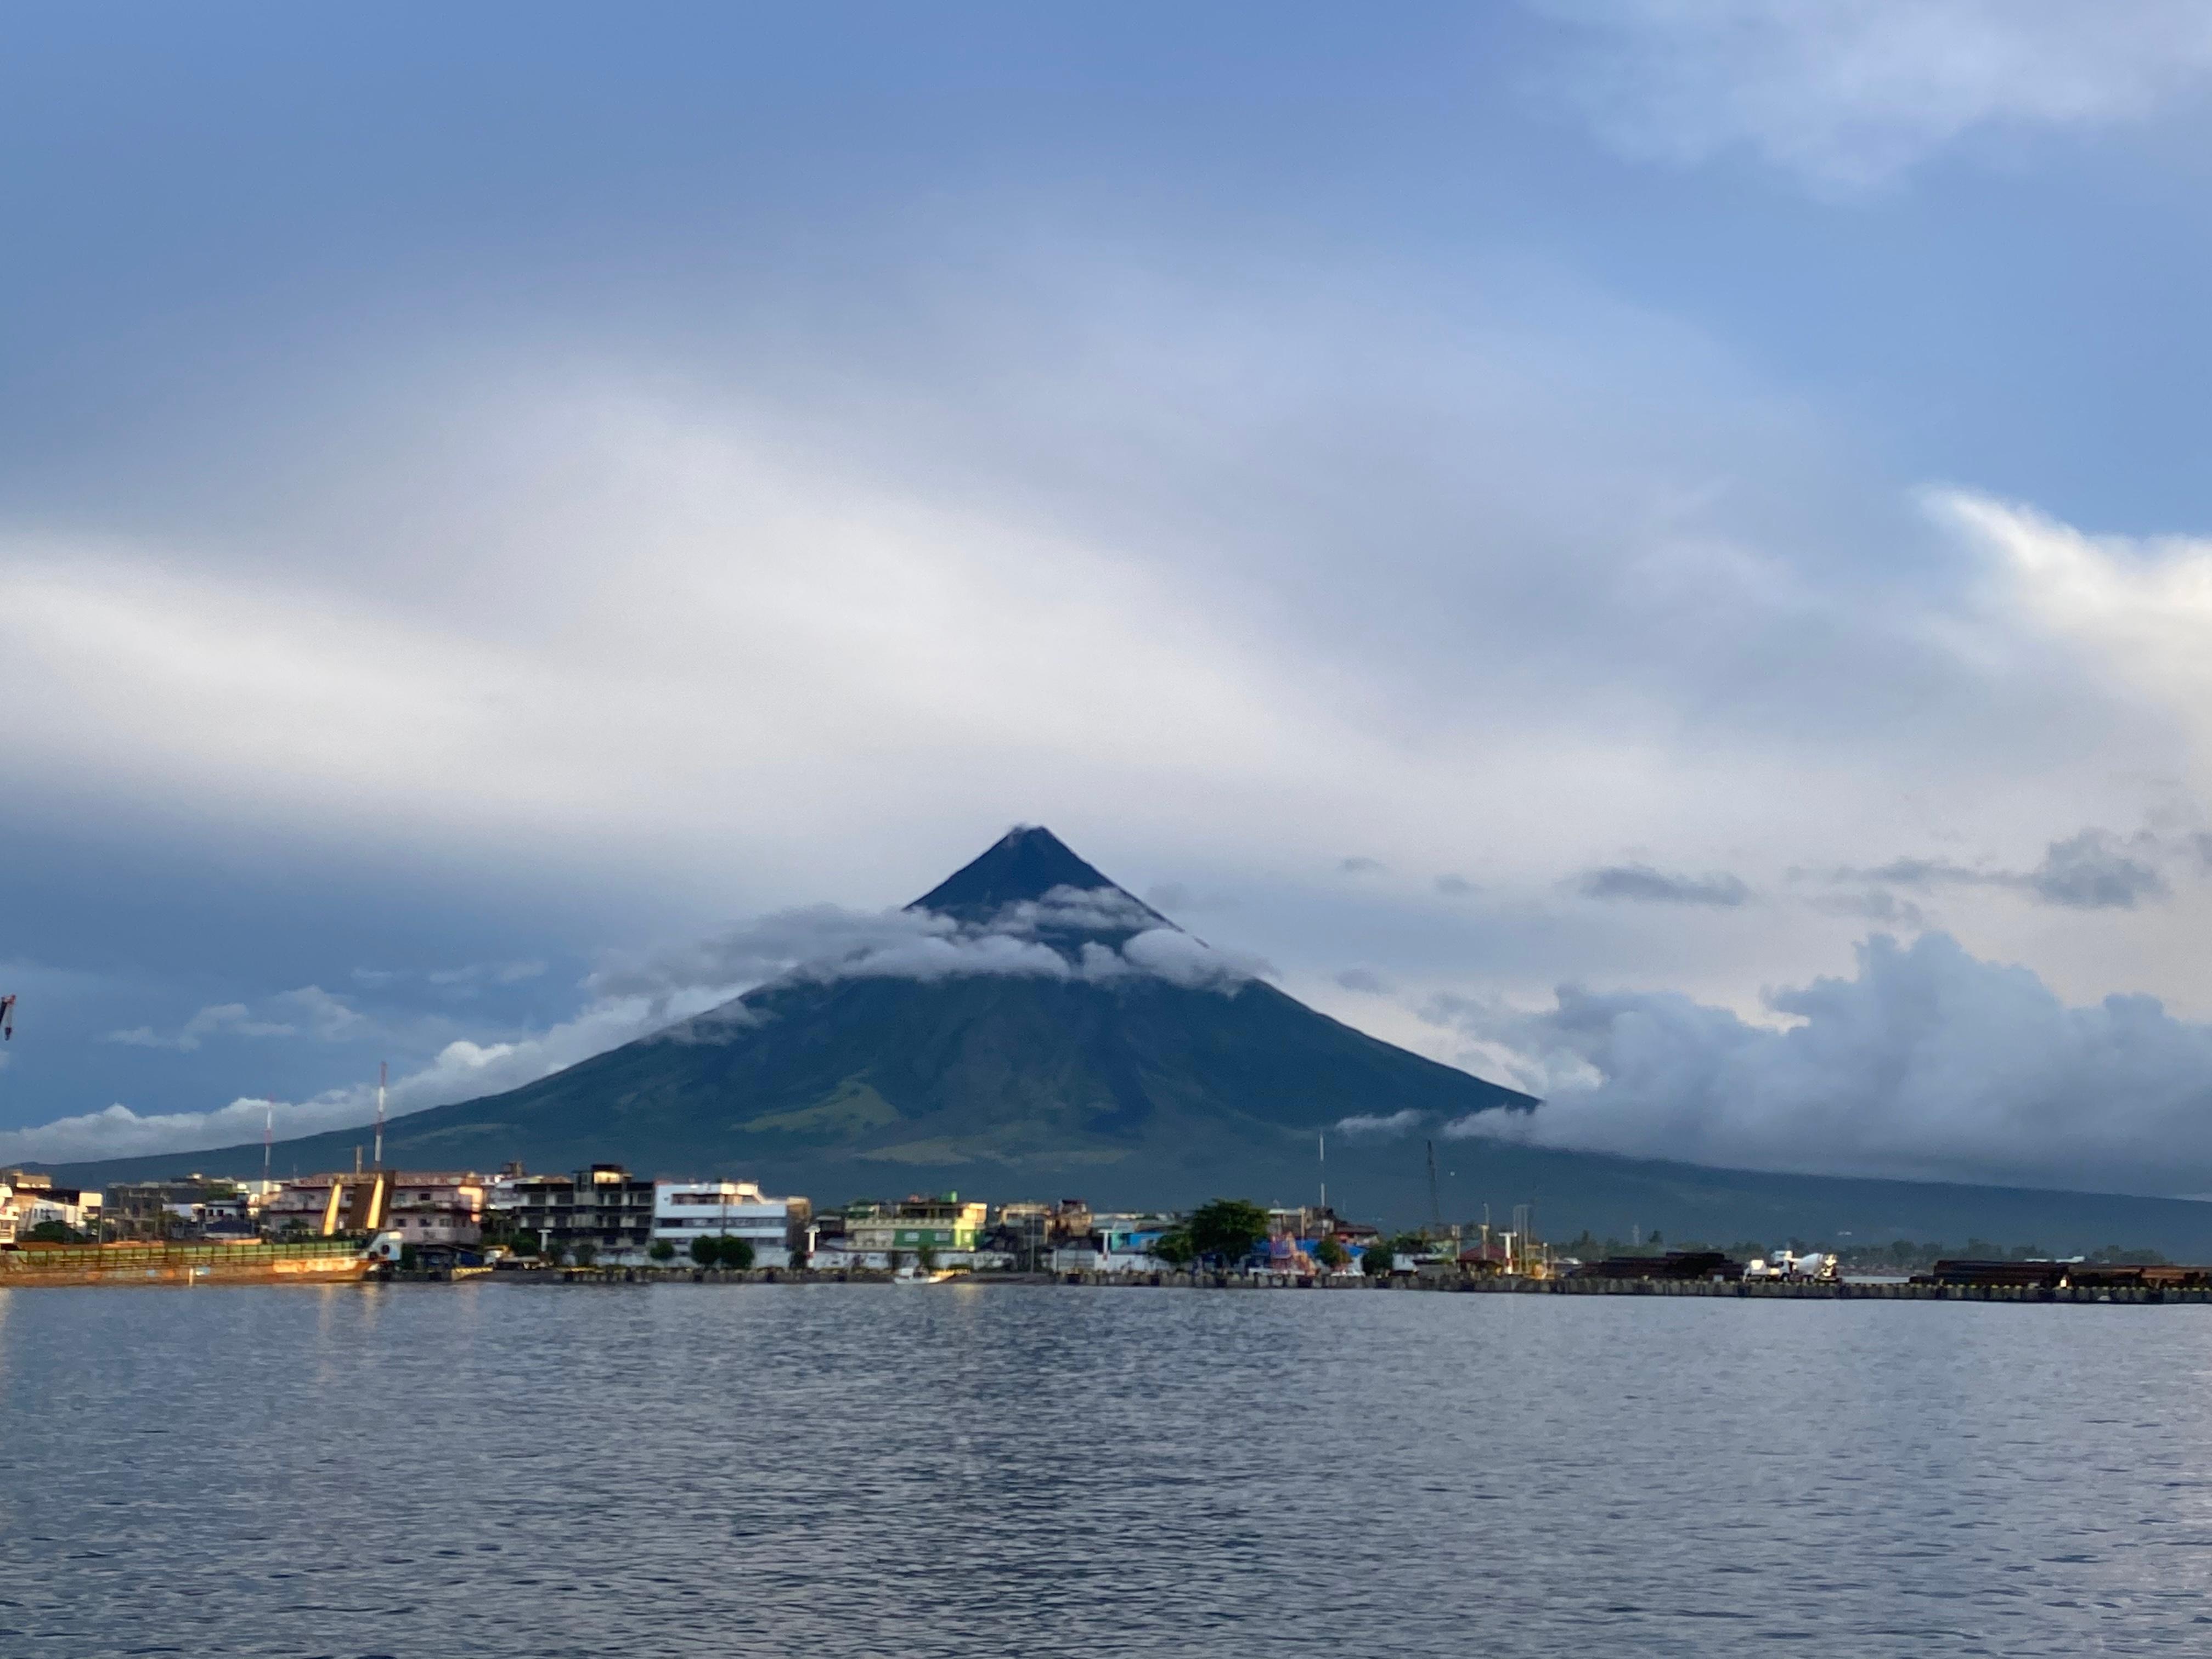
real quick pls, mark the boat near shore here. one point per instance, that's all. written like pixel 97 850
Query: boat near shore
pixel 313 1261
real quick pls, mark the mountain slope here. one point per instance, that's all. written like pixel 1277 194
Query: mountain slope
pixel 1065 1038
pixel 851 1076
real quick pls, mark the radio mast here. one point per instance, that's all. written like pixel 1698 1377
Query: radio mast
pixel 268 1139
pixel 382 1070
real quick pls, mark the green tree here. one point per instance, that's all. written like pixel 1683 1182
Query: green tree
pixel 523 1241
pixel 1331 1255
pixel 1376 1260
pixel 1227 1228
pixel 736 1253
pixel 706 1251
pixel 410 1259
pixel 1174 1247
pixel 587 1253
pixel 550 1251
pixel 53 1232
pixel 662 1250
pixel 925 1258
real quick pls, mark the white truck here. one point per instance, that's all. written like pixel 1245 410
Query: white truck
pixel 1786 1264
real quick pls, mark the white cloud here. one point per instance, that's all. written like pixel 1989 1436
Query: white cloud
pixel 826 942
pixel 1076 910
pixel 460 1071
pixel 1379 1128
pixel 1929 1063
pixel 1176 957
pixel 1847 94
pixel 2137 610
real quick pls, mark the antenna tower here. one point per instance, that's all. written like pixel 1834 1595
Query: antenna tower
pixel 267 1139
pixel 382 1070
pixel 1435 1209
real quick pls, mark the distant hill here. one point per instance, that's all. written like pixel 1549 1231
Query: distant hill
pixel 1134 1067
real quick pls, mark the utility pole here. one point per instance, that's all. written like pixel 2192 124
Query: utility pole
pixel 1322 1141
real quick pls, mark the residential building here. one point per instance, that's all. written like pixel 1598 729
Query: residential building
pixel 605 1206
pixel 437 1208
pixel 324 1206
pixel 166 1209
pixel 1308 1221
pixel 29 1199
pixel 776 1227
pixel 220 1217
pixel 1028 1233
pixel 942 1224
pixel 874 1233
pixel 1115 1244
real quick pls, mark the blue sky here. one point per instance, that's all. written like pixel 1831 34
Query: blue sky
pixel 1465 503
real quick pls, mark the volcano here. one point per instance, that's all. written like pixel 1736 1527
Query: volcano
pixel 1029 1028
pixel 1033 1025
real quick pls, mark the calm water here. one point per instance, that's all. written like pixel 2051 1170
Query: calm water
pixel 846 1470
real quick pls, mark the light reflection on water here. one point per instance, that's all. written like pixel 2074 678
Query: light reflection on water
pixel 498 1469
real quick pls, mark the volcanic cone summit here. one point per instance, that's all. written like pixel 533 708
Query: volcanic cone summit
pixel 1030 882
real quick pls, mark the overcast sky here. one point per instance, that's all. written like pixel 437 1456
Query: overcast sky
pixel 1649 551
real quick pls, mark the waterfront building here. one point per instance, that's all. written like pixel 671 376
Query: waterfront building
pixel 1309 1221
pixel 219 1217
pixel 876 1233
pixel 175 1209
pixel 324 1206
pixel 605 1206
pixel 29 1200
pixel 686 1210
pixel 441 1209
pixel 1115 1244
pixel 941 1223
pixel 1027 1233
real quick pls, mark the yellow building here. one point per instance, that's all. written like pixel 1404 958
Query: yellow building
pixel 915 1223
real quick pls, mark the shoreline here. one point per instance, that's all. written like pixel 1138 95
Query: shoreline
pixel 1775 1291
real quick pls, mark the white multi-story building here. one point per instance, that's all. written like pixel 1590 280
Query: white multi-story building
pixel 441 1208
pixel 685 1210
pixel 27 1201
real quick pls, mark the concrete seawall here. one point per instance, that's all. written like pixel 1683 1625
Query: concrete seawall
pixel 1494 1286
